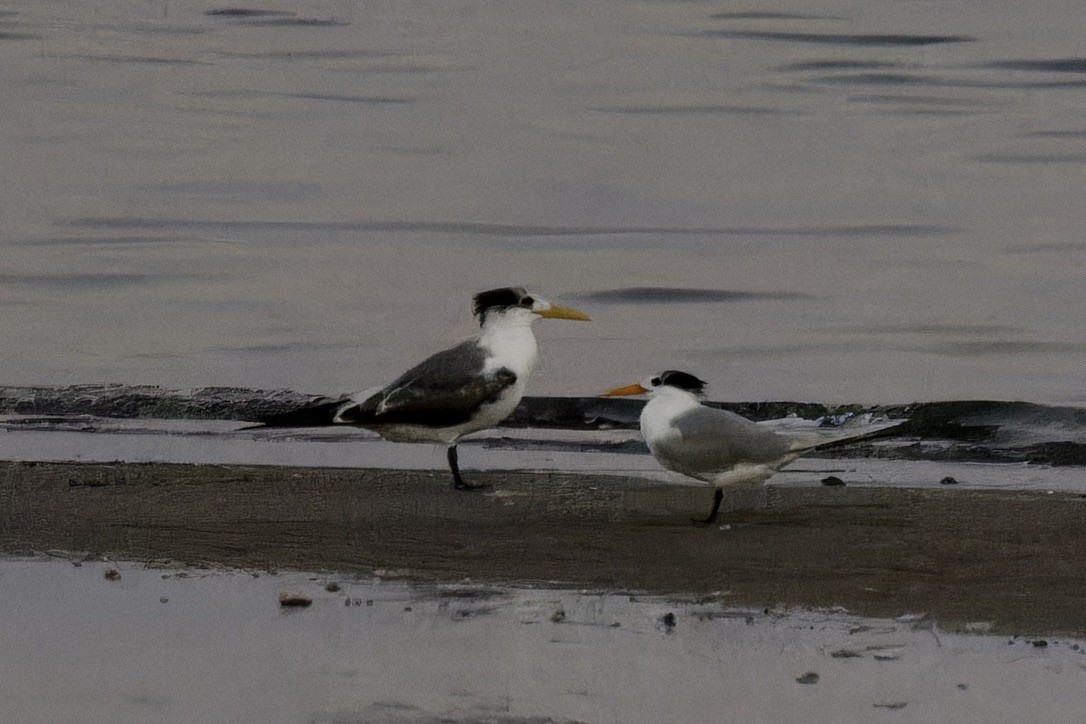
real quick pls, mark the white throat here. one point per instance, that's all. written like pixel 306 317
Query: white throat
pixel 509 339
pixel 665 405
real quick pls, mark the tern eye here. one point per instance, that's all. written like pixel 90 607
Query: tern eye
pixel 655 381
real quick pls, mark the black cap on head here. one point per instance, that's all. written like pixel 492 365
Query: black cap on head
pixel 683 380
pixel 502 298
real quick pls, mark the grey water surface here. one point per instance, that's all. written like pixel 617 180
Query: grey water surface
pixel 836 201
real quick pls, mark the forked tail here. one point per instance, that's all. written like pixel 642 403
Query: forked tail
pixel 843 437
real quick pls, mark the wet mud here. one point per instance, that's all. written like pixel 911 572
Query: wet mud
pixel 1011 559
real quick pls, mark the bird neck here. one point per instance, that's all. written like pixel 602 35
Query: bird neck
pixel 670 401
pixel 511 343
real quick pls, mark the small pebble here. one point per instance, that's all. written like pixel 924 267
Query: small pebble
pixel 331 587
pixel 289 599
pixel 668 622
pixel 809 678
pixel 844 653
pixel 832 480
pixel 1040 643
pixel 948 481
pixel 963 687
pixel 112 575
pixel 558 616
pixel 163 600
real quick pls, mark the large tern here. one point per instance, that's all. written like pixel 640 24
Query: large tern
pixel 717 446
pixel 470 387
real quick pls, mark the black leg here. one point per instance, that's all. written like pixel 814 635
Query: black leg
pixel 718 495
pixel 454 465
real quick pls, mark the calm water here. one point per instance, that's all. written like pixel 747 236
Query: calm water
pixel 878 202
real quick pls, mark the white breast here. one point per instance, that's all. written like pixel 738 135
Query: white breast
pixel 512 347
pixel 658 414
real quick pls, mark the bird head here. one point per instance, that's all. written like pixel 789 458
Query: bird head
pixel 518 304
pixel 665 381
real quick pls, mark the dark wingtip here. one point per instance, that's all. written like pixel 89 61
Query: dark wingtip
pixel 319 414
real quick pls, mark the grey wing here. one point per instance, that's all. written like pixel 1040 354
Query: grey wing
pixel 709 440
pixel 442 391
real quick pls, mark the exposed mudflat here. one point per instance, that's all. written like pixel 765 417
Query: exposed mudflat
pixel 1012 559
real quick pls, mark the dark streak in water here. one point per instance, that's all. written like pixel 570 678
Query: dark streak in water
pixel 926 112
pixel 1081 133
pixel 1030 158
pixel 677 295
pixel 1002 347
pixel 375 100
pixel 507 230
pixel 927 329
pixel 91 280
pixel 1059 65
pixel 19 36
pixel 296 22
pixel 135 59
pixel 879 79
pixel 231 191
pixel 866 40
pixel 695 109
pixel 1052 247
pixel 926 100
pixel 246 13
pixel 753 15
pixel 109 240
pixel 79 281
pixel 151 30
pixel 838 65
pixel 302 54
pixel 902 79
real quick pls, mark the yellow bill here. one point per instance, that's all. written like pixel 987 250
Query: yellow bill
pixel 559 312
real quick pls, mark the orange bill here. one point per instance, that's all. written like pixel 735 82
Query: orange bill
pixel 627 390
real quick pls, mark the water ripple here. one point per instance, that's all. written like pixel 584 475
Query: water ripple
pixel 1027 158
pixel 246 13
pixel 491 229
pixel 1058 65
pixel 694 109
pixel 753 15
pixel 858 39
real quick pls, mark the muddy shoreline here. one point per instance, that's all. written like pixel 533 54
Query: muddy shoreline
pixel 1008 559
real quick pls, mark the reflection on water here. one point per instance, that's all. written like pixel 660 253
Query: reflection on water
pixel 833 203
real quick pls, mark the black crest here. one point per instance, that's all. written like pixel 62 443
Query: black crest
pixel 500 299
pixel 683 380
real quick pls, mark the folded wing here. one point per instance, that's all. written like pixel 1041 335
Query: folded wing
pixel 443 390
pixel 708 440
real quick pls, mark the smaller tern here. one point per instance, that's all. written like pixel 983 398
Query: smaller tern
pixel 470 387
pixel 717 446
